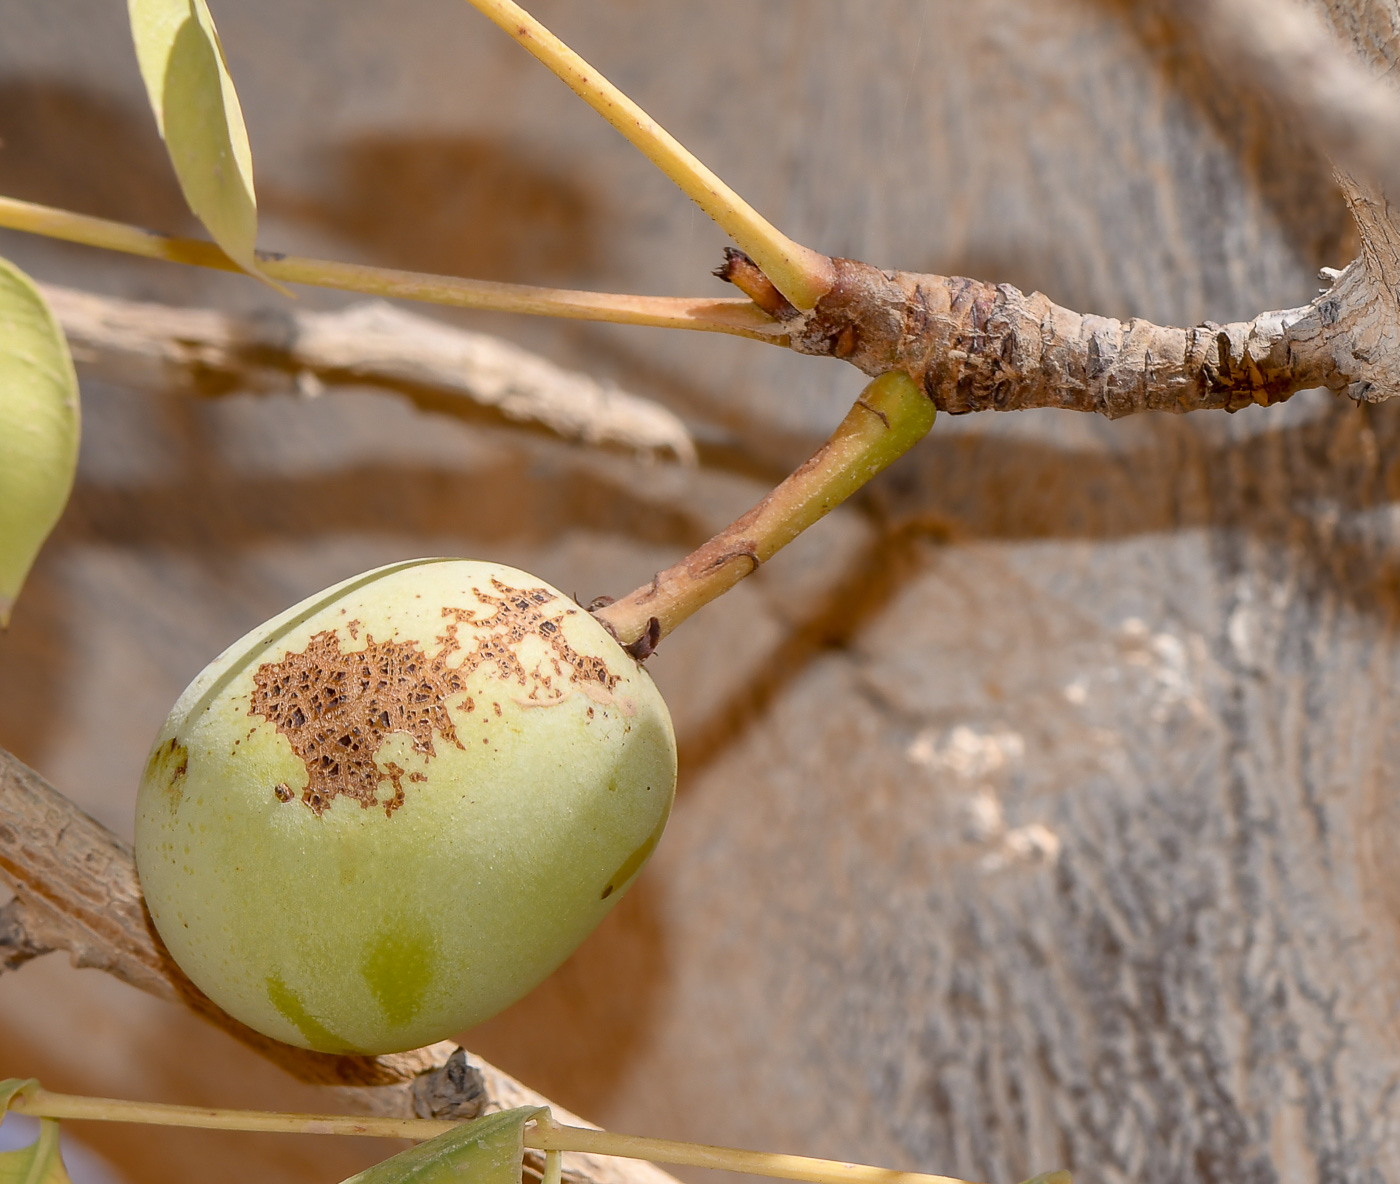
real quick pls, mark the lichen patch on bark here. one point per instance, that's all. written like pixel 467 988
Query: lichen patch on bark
pixel 338 708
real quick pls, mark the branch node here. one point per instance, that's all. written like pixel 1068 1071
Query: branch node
pixel 455 1090
pixel 646 644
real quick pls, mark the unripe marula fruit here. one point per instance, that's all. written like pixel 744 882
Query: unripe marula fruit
pixel 389 812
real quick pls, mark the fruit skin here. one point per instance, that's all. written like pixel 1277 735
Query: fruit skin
pixel 389 812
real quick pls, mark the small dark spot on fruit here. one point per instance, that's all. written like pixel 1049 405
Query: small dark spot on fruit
pixel 283 791
pixel 608 891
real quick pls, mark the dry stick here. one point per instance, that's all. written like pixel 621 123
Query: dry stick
pixel 551 1136
pixel 737 317
pixel 1340 106
pixel 890 417
pixel 373 343
pixel 800 273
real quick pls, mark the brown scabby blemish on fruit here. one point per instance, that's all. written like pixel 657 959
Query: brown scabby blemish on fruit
pixel 337 708
pixel 520 614
pixel 167 767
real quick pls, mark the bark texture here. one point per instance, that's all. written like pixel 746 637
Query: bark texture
pixel 977 346
pixel 372 344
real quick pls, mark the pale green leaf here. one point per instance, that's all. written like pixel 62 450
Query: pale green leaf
pixel 40 1162
pixel 198 115
pixel 38 428
pixel 487 1150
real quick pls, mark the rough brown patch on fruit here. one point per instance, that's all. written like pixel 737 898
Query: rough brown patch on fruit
pixel 336 709
pixel 520 614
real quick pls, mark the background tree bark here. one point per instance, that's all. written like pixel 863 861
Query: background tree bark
pixel 1035 812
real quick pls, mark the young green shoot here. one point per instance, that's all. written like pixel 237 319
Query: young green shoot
pixel 733 315
pixel 801 274
pixel 546 1136
pixel 890 417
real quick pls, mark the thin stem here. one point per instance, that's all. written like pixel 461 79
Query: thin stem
pixel 801 274
pixel 700 1155
pixel 890 417
pixel 738 317
pixel 41 1103
pixel 546 1136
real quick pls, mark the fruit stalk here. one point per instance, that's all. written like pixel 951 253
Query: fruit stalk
pixel 890 417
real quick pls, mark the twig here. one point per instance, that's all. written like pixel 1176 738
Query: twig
pixel 551 1136
pixel 76 890
pixel 738 317
pixel 1338 105
pixel 800 273
pixel 373 343
pixel 891 416
pixel 975 346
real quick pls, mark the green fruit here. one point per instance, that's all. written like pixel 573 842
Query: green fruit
pixel 392 810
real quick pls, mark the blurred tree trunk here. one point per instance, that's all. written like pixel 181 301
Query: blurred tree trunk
pixel 1035 812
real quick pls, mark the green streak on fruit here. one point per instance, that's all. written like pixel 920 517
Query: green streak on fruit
pixel 633 863
pixel 398 969
pixel 389 812
pixel 317 1037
